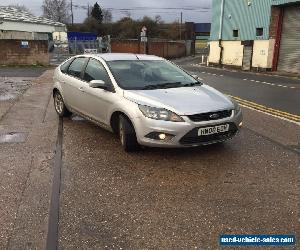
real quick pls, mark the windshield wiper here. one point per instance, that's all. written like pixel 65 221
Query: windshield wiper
pixel 193 84
pixel 164 85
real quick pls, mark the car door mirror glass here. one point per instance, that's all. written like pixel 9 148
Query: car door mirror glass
pixel 97 84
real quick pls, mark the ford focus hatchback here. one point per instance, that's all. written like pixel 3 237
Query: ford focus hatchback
pixel 146 100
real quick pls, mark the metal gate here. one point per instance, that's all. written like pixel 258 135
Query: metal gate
pixel 289 53
pixel 247 58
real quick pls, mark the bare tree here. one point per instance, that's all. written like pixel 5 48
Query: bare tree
pixel 107 16
pixel 20 7
pixel 57 10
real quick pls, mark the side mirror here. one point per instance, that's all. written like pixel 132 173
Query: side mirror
pixel 97 84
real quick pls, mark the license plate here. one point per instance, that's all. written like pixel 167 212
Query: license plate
pixel 213 130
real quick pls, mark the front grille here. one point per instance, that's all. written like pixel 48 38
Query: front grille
pixel 192 137
pixel 210 116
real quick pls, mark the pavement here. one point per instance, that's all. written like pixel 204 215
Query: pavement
pixel 152 199
pixel 28 132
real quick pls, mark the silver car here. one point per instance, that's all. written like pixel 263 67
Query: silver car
pixel 145 99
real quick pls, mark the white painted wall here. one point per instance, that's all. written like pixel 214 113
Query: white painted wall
pixel 214 52
pixel 60 36
pixel 233 53
pixel 262 55
pixel 29 27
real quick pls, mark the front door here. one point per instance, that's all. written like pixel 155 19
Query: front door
pixel 72 84
pixel 97 101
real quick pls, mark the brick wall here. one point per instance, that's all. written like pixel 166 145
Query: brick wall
pixel 166 49
pixel 275 15
pixel 11 53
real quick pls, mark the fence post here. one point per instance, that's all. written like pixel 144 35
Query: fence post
pixel 75 43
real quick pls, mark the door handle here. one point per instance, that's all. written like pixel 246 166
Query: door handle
pixel 81 89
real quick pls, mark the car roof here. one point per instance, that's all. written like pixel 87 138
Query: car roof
pixel 126 57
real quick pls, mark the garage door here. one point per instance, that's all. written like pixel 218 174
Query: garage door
pixel 289 54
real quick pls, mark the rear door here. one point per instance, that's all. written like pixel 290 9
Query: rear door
pixel 97 101
pixel 73 85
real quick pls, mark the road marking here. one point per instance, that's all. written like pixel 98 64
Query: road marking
pixel 276 116
pixel 252 80
pixel 271 84
pixel 279 113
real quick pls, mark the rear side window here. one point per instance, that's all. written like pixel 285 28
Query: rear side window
pixel 65 66
pixel 76 67
pixel 96 71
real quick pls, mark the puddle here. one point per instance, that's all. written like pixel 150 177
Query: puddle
pixel 13 137
pixel 77 118
pixel 11 88
pixel 295 147
pixel 7 97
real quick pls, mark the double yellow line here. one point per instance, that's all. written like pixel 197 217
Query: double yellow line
pixel 282 114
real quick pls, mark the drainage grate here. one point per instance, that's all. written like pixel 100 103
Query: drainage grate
pixel 13 137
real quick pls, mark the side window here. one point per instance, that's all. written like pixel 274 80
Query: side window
pixel 77 66
pixel 96 71
pixel 65 66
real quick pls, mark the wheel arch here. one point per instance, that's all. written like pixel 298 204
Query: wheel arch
pixel 54 91
pixel 114 120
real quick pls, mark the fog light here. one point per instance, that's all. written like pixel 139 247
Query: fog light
pixel 159 136
pixel 241 124
pixel 162 136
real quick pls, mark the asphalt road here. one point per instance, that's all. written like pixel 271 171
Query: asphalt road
pixel 280 93
pixel 25 71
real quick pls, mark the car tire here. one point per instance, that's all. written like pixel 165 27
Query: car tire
pixel 60 106
pixel 127 135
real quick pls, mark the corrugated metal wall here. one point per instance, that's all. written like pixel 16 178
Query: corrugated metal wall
pixel 246 18
pixel 289 55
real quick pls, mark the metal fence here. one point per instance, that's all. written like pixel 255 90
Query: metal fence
pixel 61 51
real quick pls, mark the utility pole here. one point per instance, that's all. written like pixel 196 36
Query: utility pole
pixel 180 27
pixel 72 16
pixel 88 9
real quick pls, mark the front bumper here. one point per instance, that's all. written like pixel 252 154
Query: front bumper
pixel 185 133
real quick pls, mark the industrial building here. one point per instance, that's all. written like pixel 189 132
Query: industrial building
pixel 256 34
pixel 24 37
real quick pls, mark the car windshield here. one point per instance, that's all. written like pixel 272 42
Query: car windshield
pixel 149 74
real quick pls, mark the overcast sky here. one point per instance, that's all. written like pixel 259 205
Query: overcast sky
pixel 196 15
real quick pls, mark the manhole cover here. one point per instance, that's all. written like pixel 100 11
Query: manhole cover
pixel 12 137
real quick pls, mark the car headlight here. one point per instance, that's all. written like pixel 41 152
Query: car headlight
pixel 237 107
pixel 160 114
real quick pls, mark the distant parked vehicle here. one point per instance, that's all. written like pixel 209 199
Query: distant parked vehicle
pixel 146 100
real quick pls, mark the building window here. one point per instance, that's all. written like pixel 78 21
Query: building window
pixel 259 31
pixel 235 33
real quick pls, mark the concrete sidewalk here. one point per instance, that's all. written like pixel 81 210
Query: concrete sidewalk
pixel 28 131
